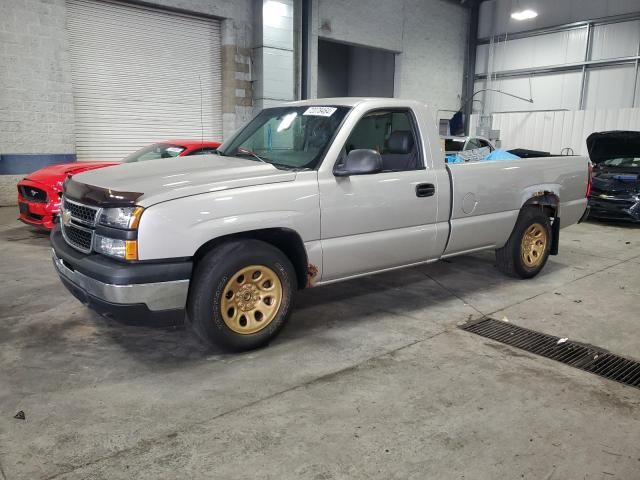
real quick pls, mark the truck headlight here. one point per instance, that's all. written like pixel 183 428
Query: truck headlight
pixel 115 247
pixel 122 217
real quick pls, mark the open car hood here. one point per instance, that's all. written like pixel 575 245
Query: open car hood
pixel 613 144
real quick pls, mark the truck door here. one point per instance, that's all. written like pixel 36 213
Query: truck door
pixel 381 220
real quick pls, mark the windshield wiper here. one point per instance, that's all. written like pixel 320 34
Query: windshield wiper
pixel 246 151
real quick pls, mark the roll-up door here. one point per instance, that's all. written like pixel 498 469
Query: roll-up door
pixel 141 75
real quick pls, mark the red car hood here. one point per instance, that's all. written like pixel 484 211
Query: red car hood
pixel 54 175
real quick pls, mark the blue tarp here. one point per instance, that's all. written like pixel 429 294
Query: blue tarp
pixel 501 155
pixel 495 155
pixel 453 159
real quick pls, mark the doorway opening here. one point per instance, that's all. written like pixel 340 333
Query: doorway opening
pixel 350 71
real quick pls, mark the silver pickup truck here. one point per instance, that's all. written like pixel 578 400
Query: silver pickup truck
pixel 306 194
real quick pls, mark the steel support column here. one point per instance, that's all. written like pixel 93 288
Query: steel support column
pixel 472 48
pixel 305 70
pixel 637 80
pixel 587 57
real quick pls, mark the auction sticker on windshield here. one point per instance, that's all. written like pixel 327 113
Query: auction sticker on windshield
pixel 320 111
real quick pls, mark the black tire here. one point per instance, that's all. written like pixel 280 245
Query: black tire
pixel 212 275
pixel 509 259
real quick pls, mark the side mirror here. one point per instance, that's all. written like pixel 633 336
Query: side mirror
pixel 359 162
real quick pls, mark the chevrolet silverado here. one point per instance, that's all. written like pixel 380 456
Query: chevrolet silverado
pixel 306 194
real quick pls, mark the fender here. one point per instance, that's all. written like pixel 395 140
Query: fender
pixel 180 227
pixel 286 240
pixel 549 201
pixel 548 195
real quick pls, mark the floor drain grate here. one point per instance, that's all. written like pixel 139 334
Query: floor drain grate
pixel 584 357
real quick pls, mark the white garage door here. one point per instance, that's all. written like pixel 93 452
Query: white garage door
pixel 141 75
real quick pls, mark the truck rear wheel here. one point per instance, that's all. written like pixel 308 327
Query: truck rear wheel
pixel 527 250
pixel 242 295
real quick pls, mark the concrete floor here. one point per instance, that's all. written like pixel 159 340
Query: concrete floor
pixel 371 379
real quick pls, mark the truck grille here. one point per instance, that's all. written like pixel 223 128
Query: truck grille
pixel 78 237
pixel 33 194
pixel 76 225
pixel 81 213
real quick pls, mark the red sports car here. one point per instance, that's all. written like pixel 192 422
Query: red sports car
pixel 39 192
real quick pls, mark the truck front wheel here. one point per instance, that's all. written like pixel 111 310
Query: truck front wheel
pixel 527 250
pixel 241 294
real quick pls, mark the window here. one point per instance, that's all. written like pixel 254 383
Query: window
pixel 453 144
pixel 287 137
pixel 485 144
pixel 629 162
pixel 154 152
pixel 392 134
pixel 472 144
pixel 204 151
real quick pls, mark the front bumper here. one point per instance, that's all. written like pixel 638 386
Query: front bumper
pixel 614 208
pixel 39 214
pixel 134 293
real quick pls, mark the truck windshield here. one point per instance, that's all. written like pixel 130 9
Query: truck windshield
pixel 632 162
pixel 289 137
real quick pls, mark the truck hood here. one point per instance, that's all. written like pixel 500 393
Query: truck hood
pixel 147 183
pixel 613 144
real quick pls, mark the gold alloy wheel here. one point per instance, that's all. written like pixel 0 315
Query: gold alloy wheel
pixel 533 245
pixel 251 299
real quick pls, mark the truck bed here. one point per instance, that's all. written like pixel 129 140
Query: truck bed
pixel 488 195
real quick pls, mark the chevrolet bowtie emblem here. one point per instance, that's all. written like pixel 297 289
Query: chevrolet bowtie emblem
pixel 66 218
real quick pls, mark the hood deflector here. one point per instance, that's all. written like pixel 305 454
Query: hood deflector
pixel 613 144
pixel 98 196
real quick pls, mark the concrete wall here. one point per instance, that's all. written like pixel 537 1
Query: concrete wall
pixel 36 101
pixel 431 66
pixel 429 37
pixel 36 96
pixel 274 53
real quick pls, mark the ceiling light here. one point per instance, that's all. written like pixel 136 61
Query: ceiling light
pixel 524 15
pixel 273 12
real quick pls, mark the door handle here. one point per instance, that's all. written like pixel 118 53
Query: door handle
pixel 425 190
